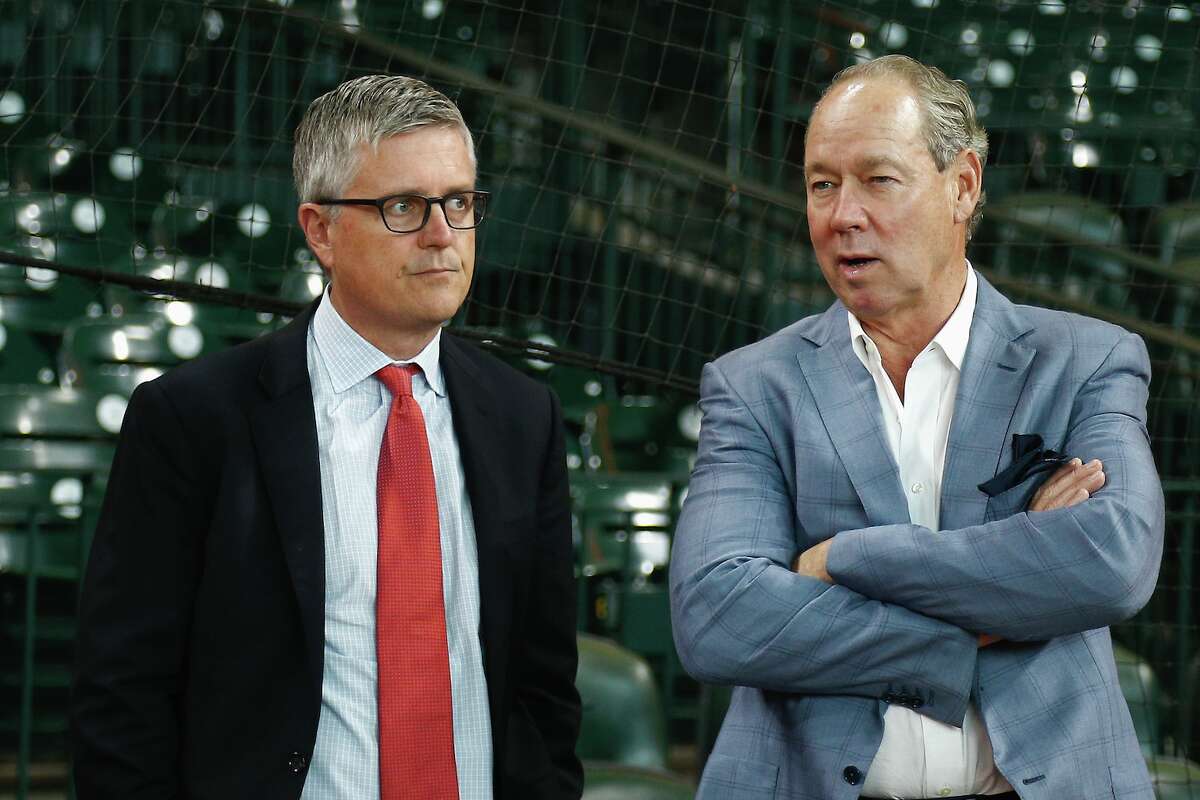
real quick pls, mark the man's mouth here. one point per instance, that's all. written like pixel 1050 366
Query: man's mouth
pixel 856 263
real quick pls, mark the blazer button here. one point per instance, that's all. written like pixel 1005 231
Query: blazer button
pixel 297 762
pixel 852 775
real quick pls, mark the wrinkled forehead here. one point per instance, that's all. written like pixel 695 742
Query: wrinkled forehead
pixel 879 116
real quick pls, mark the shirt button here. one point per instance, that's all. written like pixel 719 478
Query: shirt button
pixel 852 775
pixel 297 762
pixel 917 487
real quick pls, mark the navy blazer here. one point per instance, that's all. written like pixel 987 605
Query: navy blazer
pixel 793 452
pixel 199 655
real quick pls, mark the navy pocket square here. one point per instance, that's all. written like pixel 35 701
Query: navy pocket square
pixel 1029 458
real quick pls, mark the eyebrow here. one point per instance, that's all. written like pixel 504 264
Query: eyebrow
pixel 419 193
pixel 865 164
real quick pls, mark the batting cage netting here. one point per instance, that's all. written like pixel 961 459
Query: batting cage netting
pixel 645 160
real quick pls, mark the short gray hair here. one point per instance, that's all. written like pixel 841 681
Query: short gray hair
pixel 364 110
pixel 949 120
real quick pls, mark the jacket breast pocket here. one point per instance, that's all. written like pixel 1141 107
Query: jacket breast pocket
pixel 1016 499
pixel 727 778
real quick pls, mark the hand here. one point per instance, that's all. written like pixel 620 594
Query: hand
pixel 1071 484
pixel 812 562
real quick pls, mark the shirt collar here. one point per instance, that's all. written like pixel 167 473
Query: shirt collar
pixel 350 358
pixel 952 338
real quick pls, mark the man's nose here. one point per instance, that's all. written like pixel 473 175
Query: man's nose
pixel 437 231
pixel 849 213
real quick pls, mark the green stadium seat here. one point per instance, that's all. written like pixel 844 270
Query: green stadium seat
pixel 1144 697
pixel 115 354
pixel 255 234
pixel 610 782
pixel 1041 238
pixel 40 299
pixel 579 390
pixel 622 717
pixel 1175 233
pixel 54 163
pixel 225 322
pixel 43 547
pixel 101 227
pixel 47 428
pixel 23 358
pixel 1174 778
pixel 624 523
pixel 304 283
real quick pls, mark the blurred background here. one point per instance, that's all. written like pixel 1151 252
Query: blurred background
pixel 645 159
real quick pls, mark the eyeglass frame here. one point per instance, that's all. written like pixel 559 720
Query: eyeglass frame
pixel 430 202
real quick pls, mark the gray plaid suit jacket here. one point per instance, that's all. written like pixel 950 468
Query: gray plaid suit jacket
pixel 793 451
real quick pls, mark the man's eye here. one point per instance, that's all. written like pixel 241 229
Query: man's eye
pixel 882 179
pixel 458 202
pixel 818 186
pixel 399 206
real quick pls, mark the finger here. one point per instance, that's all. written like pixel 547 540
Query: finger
pixel 1063 489
pixel 1093 481
pixel 1051 493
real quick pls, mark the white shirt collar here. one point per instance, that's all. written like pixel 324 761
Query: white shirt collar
pixel 351 359
pixel 952 339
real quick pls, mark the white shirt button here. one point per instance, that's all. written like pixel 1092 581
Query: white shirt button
pixel 917 487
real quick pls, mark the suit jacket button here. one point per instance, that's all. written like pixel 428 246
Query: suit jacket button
pixel 297 762
pixel 852 775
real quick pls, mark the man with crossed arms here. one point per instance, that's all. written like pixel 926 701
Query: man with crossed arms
pixel 893 630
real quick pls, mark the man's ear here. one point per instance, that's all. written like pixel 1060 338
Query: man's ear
pixel 968 184
pixel 316 224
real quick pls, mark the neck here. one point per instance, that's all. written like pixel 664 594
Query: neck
pixel 398 344
pixel 901 337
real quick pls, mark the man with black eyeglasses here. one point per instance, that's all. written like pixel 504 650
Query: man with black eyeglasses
pixel 336 562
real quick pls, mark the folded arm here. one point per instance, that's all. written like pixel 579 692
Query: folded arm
pixel 742 616
pixel 1037 574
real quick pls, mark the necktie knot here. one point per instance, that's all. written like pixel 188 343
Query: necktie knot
pixel 398 378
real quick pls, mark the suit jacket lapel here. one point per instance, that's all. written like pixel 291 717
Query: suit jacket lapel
pixel 995 368
pixel 471 404
pixel 845 396
pixel 285 439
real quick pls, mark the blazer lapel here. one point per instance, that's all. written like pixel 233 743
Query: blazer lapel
pixel 845 396
pixel 471 404
pixel 995 369
pixel 285 439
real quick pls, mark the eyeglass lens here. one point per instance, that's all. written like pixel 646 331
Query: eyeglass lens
pixel 404 213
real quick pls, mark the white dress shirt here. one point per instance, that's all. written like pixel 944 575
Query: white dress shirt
pixel 351 410
pixel 920 757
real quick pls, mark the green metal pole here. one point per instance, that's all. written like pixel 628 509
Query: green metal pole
pixel 774 315
pixel 25 724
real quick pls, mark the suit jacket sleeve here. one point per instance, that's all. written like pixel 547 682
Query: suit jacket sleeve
pixel 742 616
pixel 545 689
pixel 135 603
pixel 1036 575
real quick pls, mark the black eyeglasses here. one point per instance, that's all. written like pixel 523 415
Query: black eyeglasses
pixel 408 213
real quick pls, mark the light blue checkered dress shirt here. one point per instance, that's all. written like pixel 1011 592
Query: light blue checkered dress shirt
pixel 351 409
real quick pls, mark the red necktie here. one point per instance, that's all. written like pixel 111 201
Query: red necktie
pixel 416 725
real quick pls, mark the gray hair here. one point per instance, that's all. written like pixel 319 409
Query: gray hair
pixel 364 110
pixel 949 121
